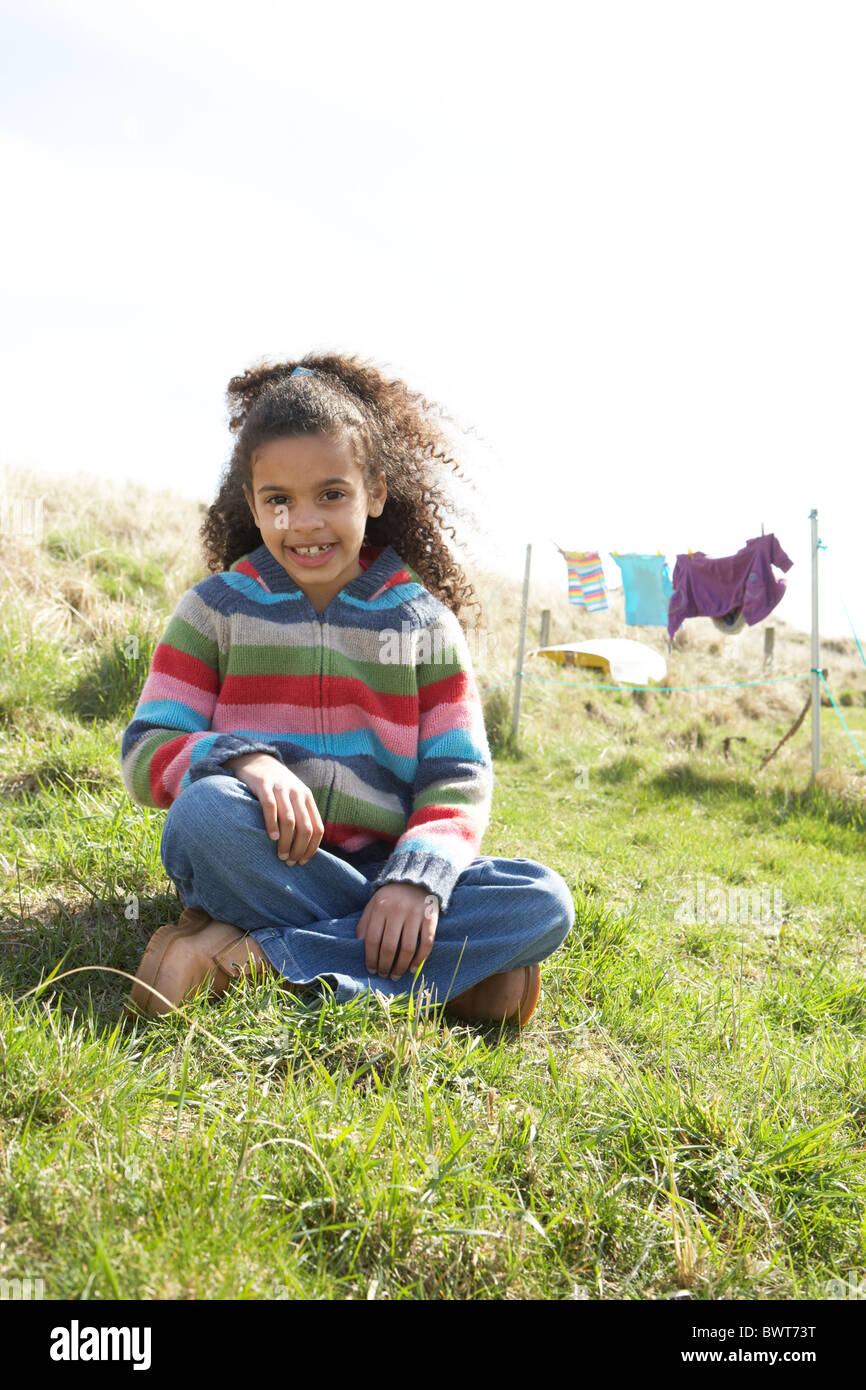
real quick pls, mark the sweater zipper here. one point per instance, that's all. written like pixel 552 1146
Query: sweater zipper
pixel 330 790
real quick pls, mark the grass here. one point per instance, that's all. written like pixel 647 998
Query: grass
pixel 685 1116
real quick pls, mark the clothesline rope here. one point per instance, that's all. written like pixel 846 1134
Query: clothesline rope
pixel 820 674
pixel 590 685
pixel 822 546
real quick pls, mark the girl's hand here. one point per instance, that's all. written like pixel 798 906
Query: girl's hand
pixel 291 813
pixel 398 925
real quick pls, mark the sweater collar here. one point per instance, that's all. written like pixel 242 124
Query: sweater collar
pixel 384 564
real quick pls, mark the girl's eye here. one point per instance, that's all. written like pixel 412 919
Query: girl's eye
pixel 331 492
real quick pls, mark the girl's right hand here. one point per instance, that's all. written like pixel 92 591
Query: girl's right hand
pixel 291 814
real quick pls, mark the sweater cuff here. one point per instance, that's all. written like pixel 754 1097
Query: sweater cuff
pixel 222 750
pixel 437 875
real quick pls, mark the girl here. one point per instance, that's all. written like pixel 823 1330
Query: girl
pixel 312 723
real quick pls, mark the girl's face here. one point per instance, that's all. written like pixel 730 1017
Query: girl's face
pixel 308 493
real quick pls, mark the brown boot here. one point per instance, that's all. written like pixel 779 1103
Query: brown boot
pixel 507 998
pixel 181 956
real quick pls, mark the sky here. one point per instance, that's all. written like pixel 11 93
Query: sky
pixel 622 243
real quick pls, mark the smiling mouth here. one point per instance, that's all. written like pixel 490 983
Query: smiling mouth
pixel 312 549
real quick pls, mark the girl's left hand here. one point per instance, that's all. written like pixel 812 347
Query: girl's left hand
pixel 398 925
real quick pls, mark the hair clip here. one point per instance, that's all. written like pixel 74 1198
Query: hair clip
pixel 300 371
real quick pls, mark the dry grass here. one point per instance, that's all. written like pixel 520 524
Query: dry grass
pixel 58 589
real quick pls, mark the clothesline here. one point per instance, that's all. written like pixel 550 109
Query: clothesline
pixel 732 589
pixel 822 546
pixel 729 628
pixel 592 685
pixel 842 717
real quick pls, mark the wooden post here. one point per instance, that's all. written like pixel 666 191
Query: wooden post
pixel 545 628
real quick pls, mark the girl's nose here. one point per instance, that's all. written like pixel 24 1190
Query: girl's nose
pixel 306 520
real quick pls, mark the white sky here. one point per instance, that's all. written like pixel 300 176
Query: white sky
pixel 623 241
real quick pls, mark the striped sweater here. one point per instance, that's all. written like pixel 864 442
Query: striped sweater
pixel 372 703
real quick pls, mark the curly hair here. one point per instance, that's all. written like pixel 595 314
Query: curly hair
pixel 392 430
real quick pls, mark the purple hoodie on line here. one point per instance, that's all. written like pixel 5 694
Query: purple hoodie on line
pixel 706 587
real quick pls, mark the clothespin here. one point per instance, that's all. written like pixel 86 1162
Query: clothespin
pixel 616 552
pixel 691 552
pixel 658 552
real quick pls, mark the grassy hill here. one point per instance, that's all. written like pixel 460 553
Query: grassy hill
pixel 685 1114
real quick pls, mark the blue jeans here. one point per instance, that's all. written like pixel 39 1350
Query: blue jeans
pixel 503 913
